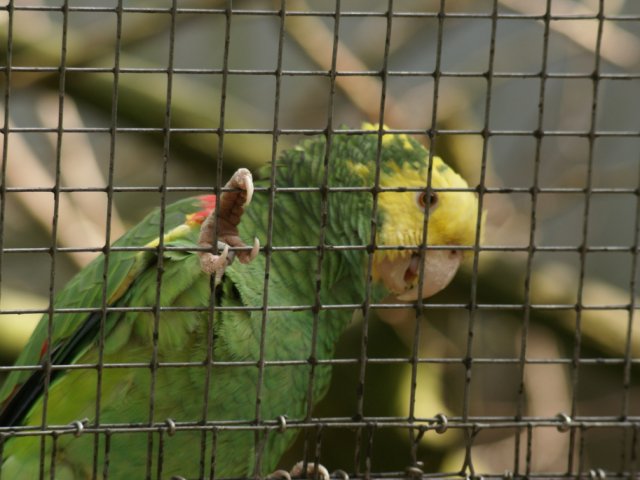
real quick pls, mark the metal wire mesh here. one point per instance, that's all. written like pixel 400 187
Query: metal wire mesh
pixel 525 367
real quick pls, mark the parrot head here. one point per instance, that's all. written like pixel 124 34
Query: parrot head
pixel 452 216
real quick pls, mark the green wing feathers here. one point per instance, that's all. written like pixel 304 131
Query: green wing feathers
pixel 85 290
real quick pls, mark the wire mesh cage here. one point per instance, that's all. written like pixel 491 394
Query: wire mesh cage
pixel 526 365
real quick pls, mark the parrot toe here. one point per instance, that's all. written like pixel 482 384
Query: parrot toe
pixel 243 180
pixel 298 472
pixel 216 264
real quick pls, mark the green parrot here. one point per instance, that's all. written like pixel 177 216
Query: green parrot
pixel 167 321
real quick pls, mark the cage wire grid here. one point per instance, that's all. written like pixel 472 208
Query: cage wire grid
pixel 571 423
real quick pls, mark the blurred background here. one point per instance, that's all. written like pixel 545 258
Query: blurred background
pixel 537 101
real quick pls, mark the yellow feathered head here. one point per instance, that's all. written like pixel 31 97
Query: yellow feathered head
pixel 452 216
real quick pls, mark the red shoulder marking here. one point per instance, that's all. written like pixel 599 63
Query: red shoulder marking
pixel 207 205
pixel 44 348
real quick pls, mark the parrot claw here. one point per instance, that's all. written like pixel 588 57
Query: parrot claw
pixel 298 472
pixel 242 180
pixel 256 248
pixel 247 184
pixel 223 223
pixel 248 257
pixel 216 264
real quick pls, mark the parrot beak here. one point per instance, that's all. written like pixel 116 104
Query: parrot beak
pixel 401 275
pixel 439 267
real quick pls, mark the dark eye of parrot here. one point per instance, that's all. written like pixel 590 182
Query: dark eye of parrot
pixel 425 199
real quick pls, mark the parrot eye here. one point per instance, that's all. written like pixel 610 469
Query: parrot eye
pixel 425 199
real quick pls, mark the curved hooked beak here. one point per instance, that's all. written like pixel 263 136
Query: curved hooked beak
pixel 401 275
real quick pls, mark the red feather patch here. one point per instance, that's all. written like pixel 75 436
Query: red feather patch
pixel 44 348
pixel 208 205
